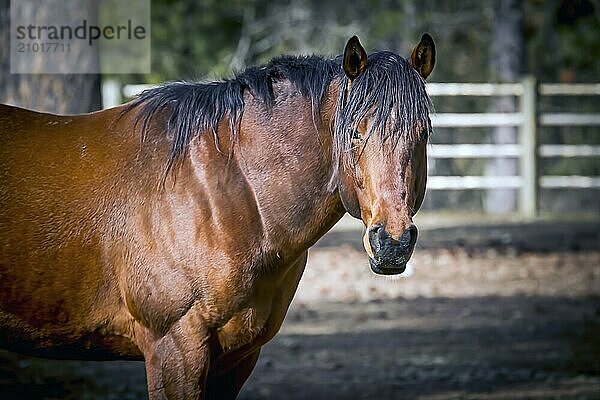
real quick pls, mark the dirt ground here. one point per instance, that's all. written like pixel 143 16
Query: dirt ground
pixel 502 312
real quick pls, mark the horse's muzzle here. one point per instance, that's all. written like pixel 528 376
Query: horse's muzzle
pixel 390 255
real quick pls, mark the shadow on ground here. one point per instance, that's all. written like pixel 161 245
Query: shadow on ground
pixel 493 347
pixel 526 327
pixel 517 347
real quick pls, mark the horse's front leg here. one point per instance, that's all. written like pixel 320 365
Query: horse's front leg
pixel 227 385
pixel 177 363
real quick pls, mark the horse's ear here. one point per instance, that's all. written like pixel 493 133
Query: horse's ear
pixel 355 58
pixel 423 56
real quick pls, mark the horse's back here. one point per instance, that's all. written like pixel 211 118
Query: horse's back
pixel 56 197
pixel 53 169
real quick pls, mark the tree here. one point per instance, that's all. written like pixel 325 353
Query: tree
pixel 59 93
pixel 506 65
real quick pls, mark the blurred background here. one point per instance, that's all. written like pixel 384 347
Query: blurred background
pixel 502 299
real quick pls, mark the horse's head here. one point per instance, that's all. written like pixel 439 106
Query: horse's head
pixel 382 128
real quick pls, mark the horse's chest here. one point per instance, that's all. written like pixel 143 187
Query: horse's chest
pixel 244 328
pixel 260 320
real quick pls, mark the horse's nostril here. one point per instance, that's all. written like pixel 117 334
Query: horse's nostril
pixel 375 232
pixel 374 229
pixel 409 237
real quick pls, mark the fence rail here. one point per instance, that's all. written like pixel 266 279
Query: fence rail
pixel 527 119
pixel 528 151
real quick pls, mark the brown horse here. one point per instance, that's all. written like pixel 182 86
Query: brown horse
pixel 175 228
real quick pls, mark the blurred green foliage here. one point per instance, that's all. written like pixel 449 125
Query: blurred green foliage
pixel 580 47
pixel 213 38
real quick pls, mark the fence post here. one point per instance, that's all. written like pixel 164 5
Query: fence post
pixel 528 138
pixel 111 93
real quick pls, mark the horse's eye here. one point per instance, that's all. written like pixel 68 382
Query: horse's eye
pixel 356 135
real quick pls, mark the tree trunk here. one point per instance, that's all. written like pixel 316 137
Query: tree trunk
pixel 506 65
pixel 57 93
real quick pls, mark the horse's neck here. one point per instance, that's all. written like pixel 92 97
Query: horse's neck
pixel 288 165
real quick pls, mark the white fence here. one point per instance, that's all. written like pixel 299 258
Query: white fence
pixel 527 119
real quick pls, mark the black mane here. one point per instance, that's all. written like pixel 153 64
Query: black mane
pixel 393 94
pixel 389 85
